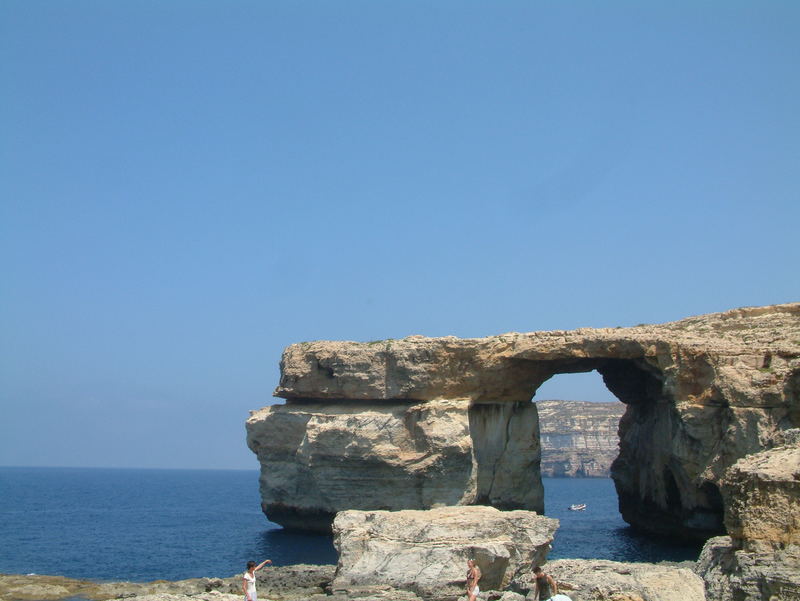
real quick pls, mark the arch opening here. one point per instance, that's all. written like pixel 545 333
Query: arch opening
pixel 578 426
pixel 657 492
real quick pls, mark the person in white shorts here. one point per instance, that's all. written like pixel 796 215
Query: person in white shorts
pixel 249 580
pixel 473 575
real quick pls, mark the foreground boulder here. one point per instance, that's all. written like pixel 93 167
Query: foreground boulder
pixel 420 422
pixel 761 557
pixel 599 580
pixel 426 551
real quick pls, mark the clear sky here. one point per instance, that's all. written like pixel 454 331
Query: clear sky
pixel 186 187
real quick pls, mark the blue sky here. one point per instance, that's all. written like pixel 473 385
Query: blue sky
pixel 187 187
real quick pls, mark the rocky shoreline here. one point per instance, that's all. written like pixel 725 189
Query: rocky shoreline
pixel 408 450
pixel 582 580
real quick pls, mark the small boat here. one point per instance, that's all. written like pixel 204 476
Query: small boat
pixel 577 507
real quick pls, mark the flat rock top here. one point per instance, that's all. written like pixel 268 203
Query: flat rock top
pixel 421 527
pixel 760 326
pixel 600 580
pixel 421 368
pixel 781 464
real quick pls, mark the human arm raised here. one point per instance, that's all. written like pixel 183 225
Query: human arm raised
pixel 263 563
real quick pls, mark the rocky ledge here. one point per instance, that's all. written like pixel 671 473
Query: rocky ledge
pixel 421 422
pixel 582 580
pixel 279 583
pixel 760 559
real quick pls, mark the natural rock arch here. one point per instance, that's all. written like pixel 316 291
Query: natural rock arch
pixel 421 422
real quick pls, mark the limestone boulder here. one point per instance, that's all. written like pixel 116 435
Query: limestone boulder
pixel 763 574
pixel 762 499
pixel 426 551
pixel 599 580
pixel 761 557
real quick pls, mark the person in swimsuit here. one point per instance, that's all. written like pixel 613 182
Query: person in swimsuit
pixel 473 575
pixel 546 587
pixel 249 580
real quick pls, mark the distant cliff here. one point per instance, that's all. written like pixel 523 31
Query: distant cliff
pixel 578 438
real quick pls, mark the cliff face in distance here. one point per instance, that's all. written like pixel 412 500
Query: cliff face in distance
pixel 579 439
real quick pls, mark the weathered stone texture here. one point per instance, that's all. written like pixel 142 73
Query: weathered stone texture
pixel 426 551
pixel 761 557
pixel 295 582
pixel 600 580
pixel 578 438
pixel 701 394
pixel 321 458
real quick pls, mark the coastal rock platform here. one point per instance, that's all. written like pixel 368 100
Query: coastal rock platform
pixel 275 582
pixel 582 580
pixel 601 580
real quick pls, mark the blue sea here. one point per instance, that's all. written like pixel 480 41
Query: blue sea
pixel 140 525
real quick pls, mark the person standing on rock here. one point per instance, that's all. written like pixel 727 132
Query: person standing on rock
pixel 546 587
pixel 249 580
pixel 473 575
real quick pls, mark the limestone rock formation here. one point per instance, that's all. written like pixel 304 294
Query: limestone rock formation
pixel 578 438
pixel 701 393
pixel 320 458
pixel 426 551
pixel 761 557
pixel 600 580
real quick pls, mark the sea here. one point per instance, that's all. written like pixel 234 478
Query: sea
pixel 146 524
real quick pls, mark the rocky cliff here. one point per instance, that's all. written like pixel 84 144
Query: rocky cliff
pixel 578 438
pixel 760 559
pixel 422 421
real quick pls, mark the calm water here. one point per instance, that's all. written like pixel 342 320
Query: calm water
pixel 599 532
pixel 115 524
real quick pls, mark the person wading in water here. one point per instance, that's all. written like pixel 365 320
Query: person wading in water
pixel 546 587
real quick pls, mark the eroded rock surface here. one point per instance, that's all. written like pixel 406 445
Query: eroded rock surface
pixel 320 458
pixel 293 582
pixel 761 557
pixel 426 551
pixel 578 438
pixel 701 393
pixel 599 580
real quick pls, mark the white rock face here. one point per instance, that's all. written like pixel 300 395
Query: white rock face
pixel 599 580
pixel 318 459
pixel 426 551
